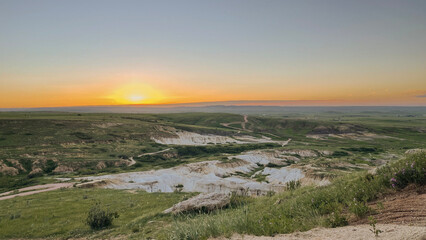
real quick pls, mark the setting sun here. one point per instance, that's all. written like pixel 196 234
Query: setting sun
pixel 136 98
pixel 136 93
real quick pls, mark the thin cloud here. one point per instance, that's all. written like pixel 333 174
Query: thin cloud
pixel 421 96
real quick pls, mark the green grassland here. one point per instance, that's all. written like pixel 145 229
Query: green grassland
pixel 61 214
pixel 83 140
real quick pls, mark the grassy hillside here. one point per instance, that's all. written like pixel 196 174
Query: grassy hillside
pixel 61 214
pixel 103 143
pixel 307 207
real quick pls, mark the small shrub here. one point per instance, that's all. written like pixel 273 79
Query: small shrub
pixel 373 229
pixel 412 172
pixel 50 166
pixel 360 209
pixel 179 188
pixel 380 206
pixel 15 216
pixel 337 220
pixel 273 165
pixel 293 185
pixel 340 154
pixel 99 218
pixel 270 193
pixel 238 200
pixel 81 135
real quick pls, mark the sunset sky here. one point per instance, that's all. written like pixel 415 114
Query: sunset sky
pixel 101 52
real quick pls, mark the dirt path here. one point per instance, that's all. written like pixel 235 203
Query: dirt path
pixel 152 153
pixel 359 232
pixel 243 124
pixel 34 189
pixel 133 162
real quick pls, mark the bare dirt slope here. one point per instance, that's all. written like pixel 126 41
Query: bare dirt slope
pixel 400 215
pixel 403 207
pixel 359 232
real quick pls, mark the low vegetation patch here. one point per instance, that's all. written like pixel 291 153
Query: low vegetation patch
pixel 363 149
pixel 193 151
pixel 411 171
pixel 99 218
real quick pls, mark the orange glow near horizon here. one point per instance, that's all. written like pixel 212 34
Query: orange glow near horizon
pixel 156 89
pixel 136 93
pixel 62 54
pixel 139 93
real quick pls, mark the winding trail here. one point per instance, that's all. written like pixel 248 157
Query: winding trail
pixel 34 189
pixel 243 124
pixel 152 153
pixel 133 162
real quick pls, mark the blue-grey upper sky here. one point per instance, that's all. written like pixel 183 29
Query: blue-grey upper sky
pixel 349 51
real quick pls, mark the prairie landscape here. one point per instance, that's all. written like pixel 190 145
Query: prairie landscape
pixel 212 120
pixel 282 173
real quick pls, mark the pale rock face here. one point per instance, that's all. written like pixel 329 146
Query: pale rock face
pixel 17 164
pixel 283 175
pixel 415 150
pixel 6 170
pixel 101 165
pixel 63 169
pixel 207 201
pixel 36 171
pixel 214 176
pixel 205 177
pixel 195 139
pixel 265 157
pixel 326 152
pixel 303 153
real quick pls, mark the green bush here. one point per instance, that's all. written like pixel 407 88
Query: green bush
pixel 360 209
pixel 50 166
pixel 340 154
pixel 410 171
pixel 99 218
pixel 337 220
pixel 293 185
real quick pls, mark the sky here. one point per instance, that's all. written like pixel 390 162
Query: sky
pixel 102 52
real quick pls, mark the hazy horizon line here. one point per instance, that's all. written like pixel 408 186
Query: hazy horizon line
pixel 238 103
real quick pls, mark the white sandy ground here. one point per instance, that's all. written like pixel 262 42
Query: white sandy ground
pixel 358 232
pixel 194 139
pixel 212 176
pixel 206 177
